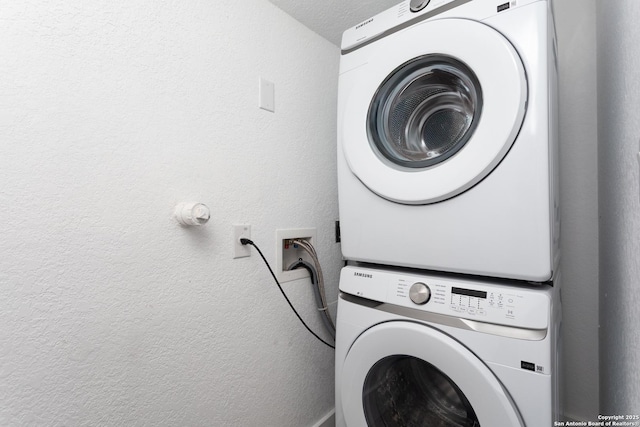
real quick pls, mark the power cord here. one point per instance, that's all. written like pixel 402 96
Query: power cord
pixel 250 242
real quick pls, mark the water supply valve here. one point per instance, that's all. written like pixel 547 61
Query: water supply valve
pixel 192 213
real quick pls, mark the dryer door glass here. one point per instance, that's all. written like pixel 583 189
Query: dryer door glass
pixel 424 116
pixel 425 111
pixel 403 390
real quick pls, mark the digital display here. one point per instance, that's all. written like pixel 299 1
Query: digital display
pixel 527 365
pixel 469 293
pixel 503 6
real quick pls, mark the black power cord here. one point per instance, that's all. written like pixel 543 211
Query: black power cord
pixel 250 242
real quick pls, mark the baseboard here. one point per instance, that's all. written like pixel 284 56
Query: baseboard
pixel 329 420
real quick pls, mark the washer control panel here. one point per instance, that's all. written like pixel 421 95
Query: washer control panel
pixel 506 303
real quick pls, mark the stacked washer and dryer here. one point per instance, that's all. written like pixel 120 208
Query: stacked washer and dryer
pixel 449 311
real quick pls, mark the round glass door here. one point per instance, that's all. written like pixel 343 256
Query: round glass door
pixel 407 374
pixel 425 111
pixel 402 391
pixel 427 114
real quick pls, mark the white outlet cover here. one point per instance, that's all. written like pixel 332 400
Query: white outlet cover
pixel 241 231
pixel 292 233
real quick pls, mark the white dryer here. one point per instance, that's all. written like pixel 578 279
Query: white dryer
pixel 415 350
pixel 447 138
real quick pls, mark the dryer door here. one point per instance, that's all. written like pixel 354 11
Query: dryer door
pixel 434 110
pixel 408 374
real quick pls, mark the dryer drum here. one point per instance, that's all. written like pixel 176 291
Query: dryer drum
pixel 404 391
pixel 425 111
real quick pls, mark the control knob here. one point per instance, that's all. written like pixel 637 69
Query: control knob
pixel 419 293
pixel 418 5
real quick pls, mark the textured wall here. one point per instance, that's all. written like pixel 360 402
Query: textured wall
pixel 619 136
pixel 112 112
pixel 575 25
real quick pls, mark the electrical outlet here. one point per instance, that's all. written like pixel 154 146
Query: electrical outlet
pixel 241 231
pixel 287 254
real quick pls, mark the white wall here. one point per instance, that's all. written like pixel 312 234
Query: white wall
pixel 575 25
pixel 112 112
pixel 619 136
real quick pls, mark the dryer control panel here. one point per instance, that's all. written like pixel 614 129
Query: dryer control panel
pixel 504 303
pixel 393 17
pixel 410 12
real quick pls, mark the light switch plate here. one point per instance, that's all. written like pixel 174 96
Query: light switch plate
pixel 267 95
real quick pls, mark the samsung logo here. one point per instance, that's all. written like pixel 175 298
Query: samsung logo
pixel 368 276
pixel 364 23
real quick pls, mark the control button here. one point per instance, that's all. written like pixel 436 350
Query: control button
pixel 418 5
pixel 419 293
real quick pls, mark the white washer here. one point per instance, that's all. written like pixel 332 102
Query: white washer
pixel 468 353
pixel 447 146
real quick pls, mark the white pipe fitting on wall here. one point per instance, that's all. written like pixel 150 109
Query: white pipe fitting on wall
pixel 189 214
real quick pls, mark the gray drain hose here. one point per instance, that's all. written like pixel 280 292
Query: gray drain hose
pixel 324 312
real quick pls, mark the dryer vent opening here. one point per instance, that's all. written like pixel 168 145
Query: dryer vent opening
pixel 425 111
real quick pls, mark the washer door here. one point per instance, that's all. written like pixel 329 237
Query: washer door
pixel 434 110
pixel 401 373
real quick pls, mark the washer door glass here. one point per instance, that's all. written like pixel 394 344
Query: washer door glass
pixel 406 391
pixel 425 111
pixel 406 374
